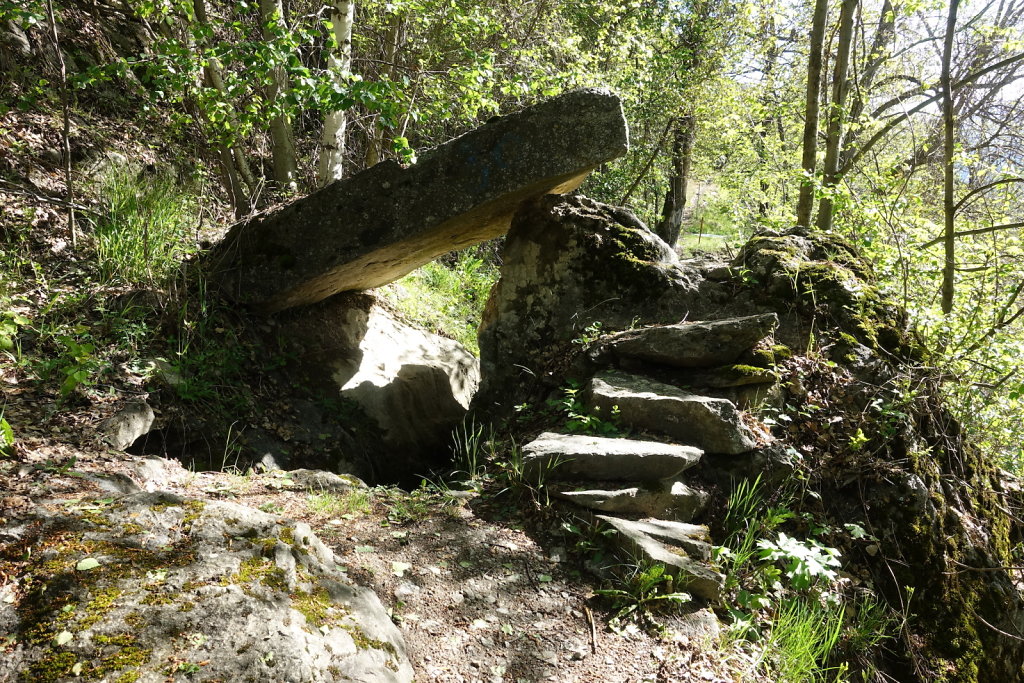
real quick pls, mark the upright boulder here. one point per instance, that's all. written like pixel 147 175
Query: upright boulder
pixel 569 262
pixel 405 389
pixel 377 226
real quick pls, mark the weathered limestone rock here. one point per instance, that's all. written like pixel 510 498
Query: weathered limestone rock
pixel 712 424
pixel 377 226
pixel 684 549
pixel 677 501
pixel 132 421
pixel 602 459
pixel 569 262
pixel 151 580
pixel 693 345
pixel 405 388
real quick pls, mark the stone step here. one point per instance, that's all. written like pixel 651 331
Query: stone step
pixel 684 549
pixel 712 424
pixel 691 345
pixel 580 456
pixel 676 501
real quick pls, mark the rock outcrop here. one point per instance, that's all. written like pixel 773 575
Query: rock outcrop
pixel 152 585
pixel 712 424
pixel 858 419
pixel 375 227
pixel 602 459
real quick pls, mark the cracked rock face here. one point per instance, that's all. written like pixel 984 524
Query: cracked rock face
pixel 156 585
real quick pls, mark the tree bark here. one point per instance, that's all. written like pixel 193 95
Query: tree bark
pixel 837 112
pixel 332 154
pixel 949 149
pixel 808 161
pixel 65 99
pixel 671 222
pixel 281 137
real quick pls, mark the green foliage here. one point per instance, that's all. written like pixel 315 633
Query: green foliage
pixel 577 418
pixel 147 226
pixel 789 607
pixel 802 636
pixel 448 299
pixel 473 445
pixel 6 438
pixel 522 481
pixel 357 500
pixel 10 322
pixel 806 561
pixel 640 592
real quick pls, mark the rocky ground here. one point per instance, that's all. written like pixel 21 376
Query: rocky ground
pixel 482 589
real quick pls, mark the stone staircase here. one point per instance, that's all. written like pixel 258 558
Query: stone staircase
pixel 658 379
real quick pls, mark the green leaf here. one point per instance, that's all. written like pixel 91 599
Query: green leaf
pixel 87 564
pixel 63 638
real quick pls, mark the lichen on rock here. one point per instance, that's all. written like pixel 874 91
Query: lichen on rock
pixel 234 593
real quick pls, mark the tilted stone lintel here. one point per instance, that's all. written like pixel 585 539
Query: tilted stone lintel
pixel 385 222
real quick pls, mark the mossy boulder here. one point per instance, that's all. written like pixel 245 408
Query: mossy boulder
pixel 150 586
pixel 824 276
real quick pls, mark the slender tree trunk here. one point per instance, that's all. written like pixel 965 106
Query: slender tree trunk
pixel 228 152
pixel 65 99
pixel 808 160
pixel 671 222
pixel 281 138
pixel 949 149
pixel 837 112
pixel 332 154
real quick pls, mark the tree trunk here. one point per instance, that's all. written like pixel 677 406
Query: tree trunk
pixel 332 153
pixel 65 100
pixel 949 148
pixel 837 112
pixel 808 160
pixel 282 140
pixel 671 222
pixel 227 150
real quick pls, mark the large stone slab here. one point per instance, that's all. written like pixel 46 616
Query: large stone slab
pixel 580 456
pixel 693 345
pixel 684 549
pixel 677 501
pixel 712 424
pixel 375 227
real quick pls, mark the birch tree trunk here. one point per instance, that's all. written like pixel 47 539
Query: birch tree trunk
pixel 281 138
pixel 332 152
pixel 949 149
pixel 809 158
pixel 837 112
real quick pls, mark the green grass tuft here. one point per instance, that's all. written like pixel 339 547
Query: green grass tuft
pixel 145 230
